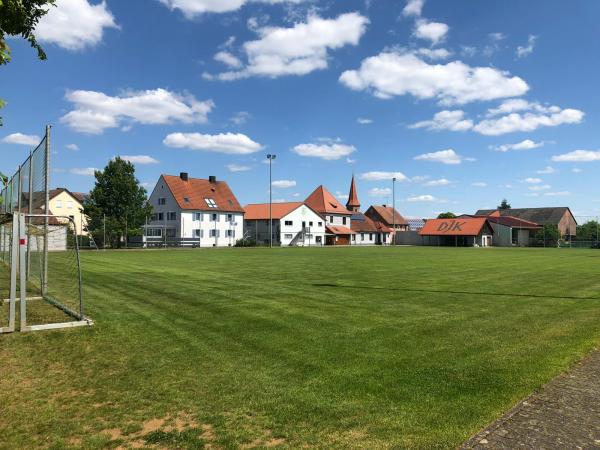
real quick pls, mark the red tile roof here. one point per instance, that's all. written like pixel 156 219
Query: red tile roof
pixel 353 197
pixel 510 221
pixel 385 213
pixel 363 224
pixel 260 211
pixel 323 202
pixel 196 190
pixel 454 227
pixel 338 229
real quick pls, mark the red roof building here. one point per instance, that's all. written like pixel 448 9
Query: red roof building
pixel 353 204
pixel 462 231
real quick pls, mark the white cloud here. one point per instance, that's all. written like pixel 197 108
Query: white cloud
pixel 22 139
pixel 193 8
pixel 238 168
pixel 95 111
pixel 434 54
pixel 516 122
pixel 446 120
pixel 140 159
pixel 231 143
pixel 443 156
pixel 380 192
pixel 229 59
pixel 578 156
pixel 519 104
pixel 480 184
pixel 527 144
pixel 423 198
pixel 432 31
pixel 557 194
pixel 527 50
pixel 72 147
pixel 382 176
pixel 298 50
pixel 440 182
pixel 532 180
pixel 413 8
pixel 87 171
pixel 393 73
pixel 240 118
pixel 364 121
pixel 283 184
pixel 546 171
pixel 543 187
pixel 75 24
pixel 329 152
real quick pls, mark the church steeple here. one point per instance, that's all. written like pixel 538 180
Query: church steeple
pixel 353 203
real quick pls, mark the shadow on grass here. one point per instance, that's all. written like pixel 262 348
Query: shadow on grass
pixel 433 291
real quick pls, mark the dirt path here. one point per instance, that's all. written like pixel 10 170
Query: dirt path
pixel 565 414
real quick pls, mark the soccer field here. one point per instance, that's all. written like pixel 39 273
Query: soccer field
pixel 324 348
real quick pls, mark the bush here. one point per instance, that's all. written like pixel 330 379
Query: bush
pixel 245 243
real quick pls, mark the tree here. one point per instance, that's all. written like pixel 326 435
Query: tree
pixel 589 231
pixel 19 18
pixel 447 215
pixel 118 197
pixel 549 235
pixel 504 205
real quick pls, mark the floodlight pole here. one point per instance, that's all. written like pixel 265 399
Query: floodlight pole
pixel 271 157
pixel 394 210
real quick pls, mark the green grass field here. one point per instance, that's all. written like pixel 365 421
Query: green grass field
pixel 322 348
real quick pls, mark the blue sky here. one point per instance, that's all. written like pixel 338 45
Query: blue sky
pixel 464 102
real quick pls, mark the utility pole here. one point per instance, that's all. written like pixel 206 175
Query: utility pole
pixel 271 157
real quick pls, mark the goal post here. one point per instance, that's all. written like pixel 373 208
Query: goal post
pixel 8 272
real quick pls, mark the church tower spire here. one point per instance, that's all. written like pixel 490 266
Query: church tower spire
pixel 353 203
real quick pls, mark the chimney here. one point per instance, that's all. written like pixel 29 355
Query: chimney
pixel 212 179
pixel 184 176
pixel 385 206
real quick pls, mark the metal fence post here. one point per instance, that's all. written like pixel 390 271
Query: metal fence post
pixel 46 209
pixel 30 211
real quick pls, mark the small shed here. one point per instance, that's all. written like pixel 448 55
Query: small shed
pixel 459 232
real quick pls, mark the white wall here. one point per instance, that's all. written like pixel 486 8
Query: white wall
pixel 338 219
pixel 371 238
pixel 186 223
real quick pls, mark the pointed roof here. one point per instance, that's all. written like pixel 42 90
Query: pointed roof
pixel 194 192
pixel 386 214
pixel 353 202
pixel 324 202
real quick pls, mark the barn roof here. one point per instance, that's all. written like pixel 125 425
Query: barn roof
pixel 467 226
pixel 386 215
pixel 363 224
pixel 324 202
pixel 192 194
pixel 542 216
pixel 510 221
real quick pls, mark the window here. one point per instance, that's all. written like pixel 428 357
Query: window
pixel 289 223
pixel 320 224
pixel 186 200
pixel 362 236
pixel 171 216
pixel 198 217
pixel 370 236
pixel 214 217
pixel 154 232
pixel 229 218
pixel 344 220
pixel 162 201
pixel 214 233
pixel 310 224
pixel 288 236
pixel 199 233
pixel 230 233
pixel 161 216
pixel 210 202
pixel 59 203
pixel 353 238
pixel 330 219
pixel 70 205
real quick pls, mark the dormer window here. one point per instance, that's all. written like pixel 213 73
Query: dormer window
pixel 210 202
pixel 186 199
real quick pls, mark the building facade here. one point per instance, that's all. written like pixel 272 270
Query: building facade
pixel 194 212
pixel 367 231
pixel 337 218
pixel 69 204
pixel 294 224
pixel 459 232
pixel 561 217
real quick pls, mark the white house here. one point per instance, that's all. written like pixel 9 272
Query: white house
pixel 294 224
pixel 194 212
pixel 337 217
